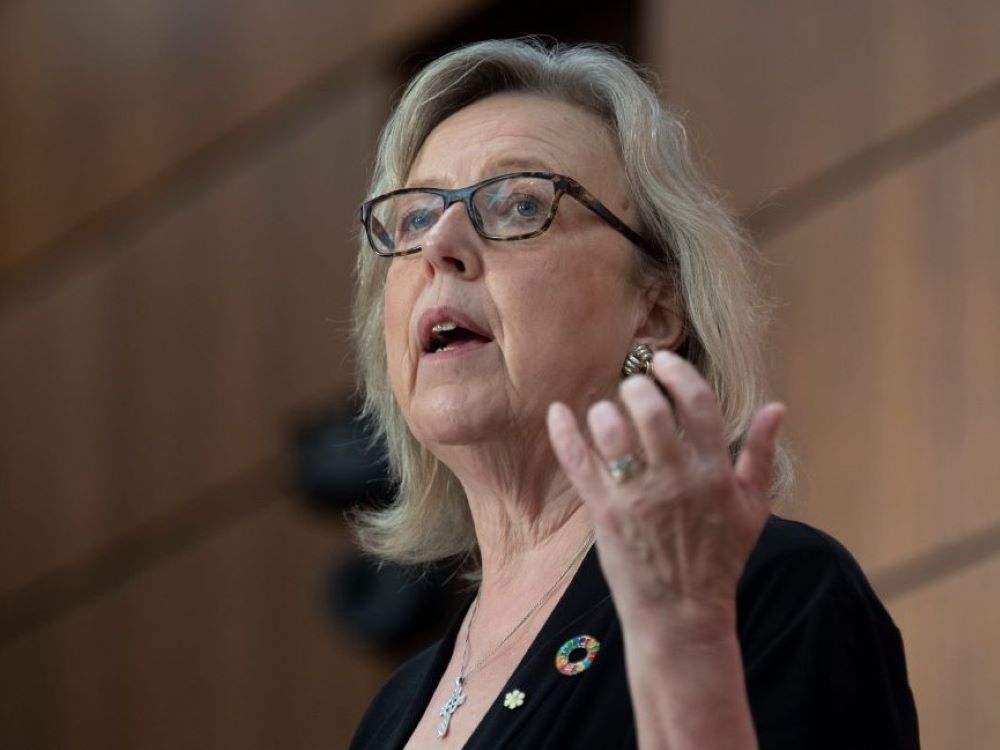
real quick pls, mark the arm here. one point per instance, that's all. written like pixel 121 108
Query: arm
pixel 687 695
pixel 673 542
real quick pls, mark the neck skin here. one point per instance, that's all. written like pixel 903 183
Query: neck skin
pixel 529 521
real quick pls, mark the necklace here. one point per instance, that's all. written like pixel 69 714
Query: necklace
pixel 457 693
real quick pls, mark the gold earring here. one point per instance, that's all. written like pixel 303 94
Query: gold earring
pixel 639 361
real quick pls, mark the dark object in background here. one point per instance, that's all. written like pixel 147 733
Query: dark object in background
pixel 387 606
pixel 337 465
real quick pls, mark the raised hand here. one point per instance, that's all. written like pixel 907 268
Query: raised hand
pixel 675 527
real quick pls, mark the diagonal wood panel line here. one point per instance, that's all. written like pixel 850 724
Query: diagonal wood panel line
pixel 79 583
pixel 852 174
pixel 794 205
pixel 945 560
pixel 110 566
pixel 75 584
pixel 112 227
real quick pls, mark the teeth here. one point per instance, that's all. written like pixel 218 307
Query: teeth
pixel 439 340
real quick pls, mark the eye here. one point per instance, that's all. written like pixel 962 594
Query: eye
pixel 416 217
pixel 521 208
pixel 527 206
pixel 416 221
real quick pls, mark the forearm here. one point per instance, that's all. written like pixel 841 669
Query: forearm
pixel 687 693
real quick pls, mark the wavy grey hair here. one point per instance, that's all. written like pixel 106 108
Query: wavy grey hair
pixel 706 258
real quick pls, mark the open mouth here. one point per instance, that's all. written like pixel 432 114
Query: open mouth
pixel 450 336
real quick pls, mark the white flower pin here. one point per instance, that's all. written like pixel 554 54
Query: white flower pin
pixel 513 699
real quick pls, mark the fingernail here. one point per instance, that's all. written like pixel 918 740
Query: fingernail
pixel 634 381
pixel 603 412
pixel 663 357
pixel 782 412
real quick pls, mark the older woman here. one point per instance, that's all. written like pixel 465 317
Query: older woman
pixel 538 230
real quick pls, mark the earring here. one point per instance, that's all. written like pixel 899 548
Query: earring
pixel 639 361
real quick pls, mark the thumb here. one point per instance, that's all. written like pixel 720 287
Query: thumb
pixel 755 465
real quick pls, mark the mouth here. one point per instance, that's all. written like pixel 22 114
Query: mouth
pixel 444 330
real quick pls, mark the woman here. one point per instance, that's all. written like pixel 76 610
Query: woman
pixel 539 229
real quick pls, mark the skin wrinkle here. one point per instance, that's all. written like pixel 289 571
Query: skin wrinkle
pixel 562 310
pixel 701 469
pixel 572 220
pixel 509 531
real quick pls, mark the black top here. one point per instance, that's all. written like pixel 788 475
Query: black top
pixel 823 661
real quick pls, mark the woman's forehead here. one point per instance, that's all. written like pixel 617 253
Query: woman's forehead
pixel 512 132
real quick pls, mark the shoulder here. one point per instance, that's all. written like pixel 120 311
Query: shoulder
pixel 796 562
pixel 783 540
pixel 387 709
pixel 823 660
pixel 801 583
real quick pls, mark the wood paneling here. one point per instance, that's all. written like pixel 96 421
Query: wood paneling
pixel 99 99
pixel 881 122
pixel 886 338
pixel 887 350
pixel 776 92
pixel 191 654
pixel 950 632
pixel 173 356
pixel 177 358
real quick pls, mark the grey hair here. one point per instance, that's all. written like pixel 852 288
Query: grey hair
pixel 707 259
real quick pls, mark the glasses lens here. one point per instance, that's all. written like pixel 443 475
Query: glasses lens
pixel 399 222
pixel 514 206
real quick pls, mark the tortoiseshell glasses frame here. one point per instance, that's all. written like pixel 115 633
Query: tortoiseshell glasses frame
pixel 383 240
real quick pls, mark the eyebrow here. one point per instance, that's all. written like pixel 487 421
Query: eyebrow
pixel 492 168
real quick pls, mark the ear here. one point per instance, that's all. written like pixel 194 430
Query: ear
pixel 664 325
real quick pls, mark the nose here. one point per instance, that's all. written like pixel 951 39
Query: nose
pixel 452 245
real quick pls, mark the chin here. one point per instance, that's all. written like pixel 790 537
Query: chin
pixel 454 416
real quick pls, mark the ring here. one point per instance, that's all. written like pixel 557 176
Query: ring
pixel 625 468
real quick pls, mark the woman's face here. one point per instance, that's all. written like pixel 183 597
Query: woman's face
pixel 555 314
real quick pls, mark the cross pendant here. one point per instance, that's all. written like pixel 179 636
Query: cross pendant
pixel 457 699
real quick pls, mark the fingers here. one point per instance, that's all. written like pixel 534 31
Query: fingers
pixel 653 418
pixel 755 465
pixel 572 451
pixel 609 431
pixel 655 425
pixel 695 404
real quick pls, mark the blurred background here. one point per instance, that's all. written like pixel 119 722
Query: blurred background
pixel 179 182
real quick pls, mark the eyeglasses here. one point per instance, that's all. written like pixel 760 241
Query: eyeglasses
pixel 514 206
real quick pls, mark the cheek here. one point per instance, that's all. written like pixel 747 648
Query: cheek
pixel 579 322
pixel 589 298
pixel 398 306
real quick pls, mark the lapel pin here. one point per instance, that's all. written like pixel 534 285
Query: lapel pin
pixel 577 655
pixel 513 699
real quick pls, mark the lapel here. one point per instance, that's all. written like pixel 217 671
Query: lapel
pixel 579 611
pixel 536 675
pixel 416 704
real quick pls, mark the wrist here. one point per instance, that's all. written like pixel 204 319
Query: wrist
pixel 683 625
pixel 688 692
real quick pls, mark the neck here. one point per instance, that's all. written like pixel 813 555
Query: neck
pixel 526 514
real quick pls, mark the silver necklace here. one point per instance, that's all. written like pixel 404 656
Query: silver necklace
pixel 457 693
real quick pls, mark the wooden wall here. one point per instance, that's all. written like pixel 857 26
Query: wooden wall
pixel 178 183
pixel 179 192
pixel 862 142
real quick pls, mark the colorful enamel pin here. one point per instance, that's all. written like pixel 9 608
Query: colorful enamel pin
pixel 577 655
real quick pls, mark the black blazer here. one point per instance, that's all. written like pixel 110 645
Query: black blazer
pixel 823 661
